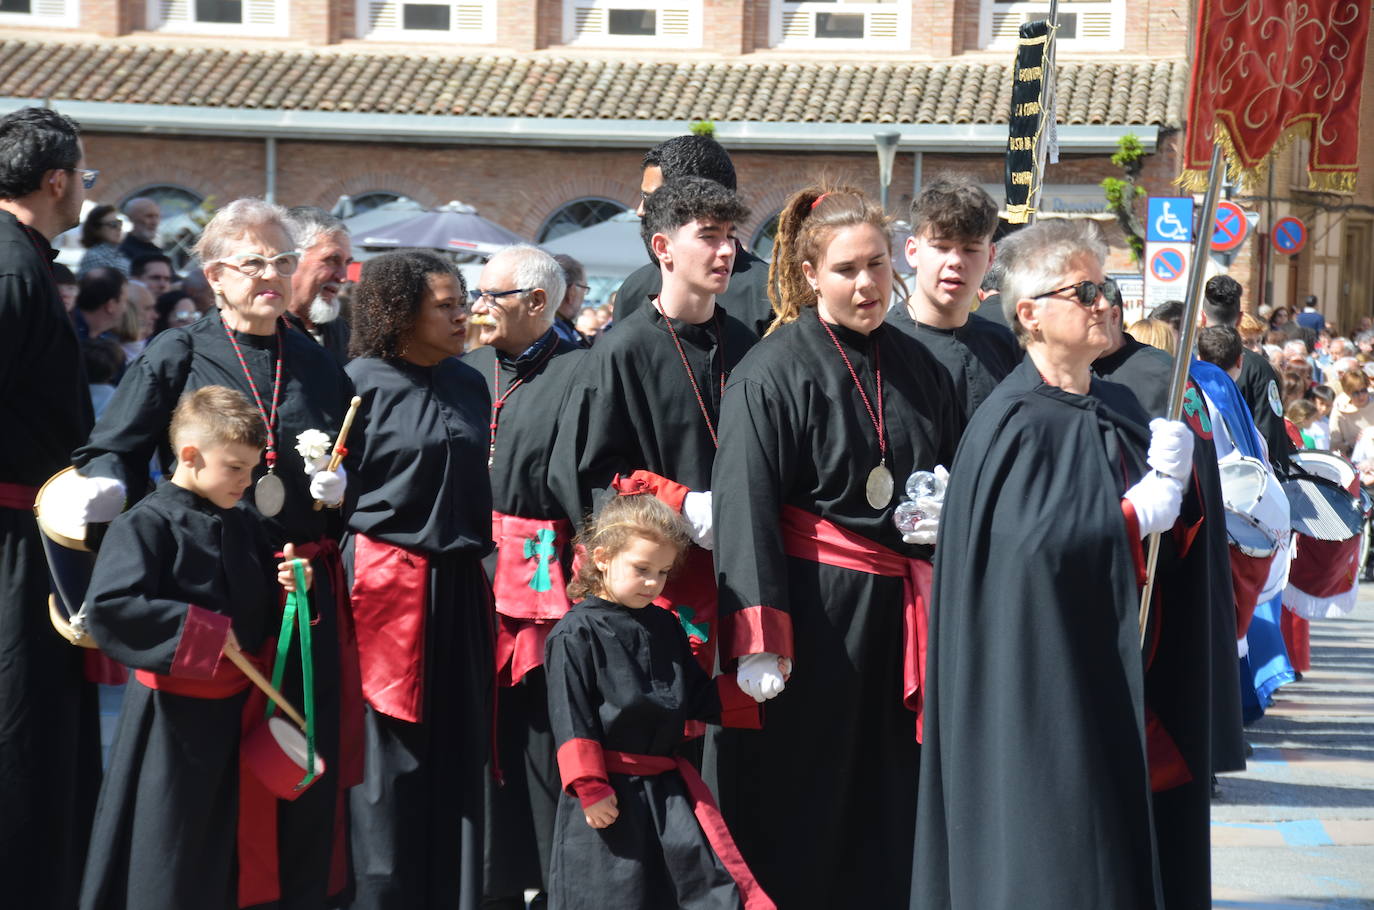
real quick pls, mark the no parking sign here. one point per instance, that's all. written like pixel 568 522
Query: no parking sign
pixel 1290 236
pixel 1166 272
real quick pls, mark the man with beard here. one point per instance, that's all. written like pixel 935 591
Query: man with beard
pixel 326 253
pixel 49 720
pixel 528 368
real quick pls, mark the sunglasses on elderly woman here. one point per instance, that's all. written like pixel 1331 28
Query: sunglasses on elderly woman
pixel 1086 292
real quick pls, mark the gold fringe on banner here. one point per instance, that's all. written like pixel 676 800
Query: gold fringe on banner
pixel 1250 178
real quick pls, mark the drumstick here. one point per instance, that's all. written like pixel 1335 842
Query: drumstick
pixel 337 455
pixel 241 661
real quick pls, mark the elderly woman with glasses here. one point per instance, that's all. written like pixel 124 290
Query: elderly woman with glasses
pixel 1035 705
pixel 248 255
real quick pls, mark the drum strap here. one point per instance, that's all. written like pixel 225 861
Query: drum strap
pixel 17 496
pixel 296 614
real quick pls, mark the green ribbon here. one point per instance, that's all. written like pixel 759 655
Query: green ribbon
pixel 295 614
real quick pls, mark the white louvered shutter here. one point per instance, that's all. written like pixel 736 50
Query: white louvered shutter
pixel 55 13
pixel 676 23
pixel 884 24
pixel 1097 25
pixel 471 22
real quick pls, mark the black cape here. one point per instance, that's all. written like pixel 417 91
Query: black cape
pixel 626 679
pixel 1192 682
pixel 1260 387
pixel 520 812
pixel 833 772
pixel 334 335
pixel 746 297
pixel 315 395
pixel 977 355
pixel 49 715
pixel 420 483
pixel 1034 755
pixel 165 834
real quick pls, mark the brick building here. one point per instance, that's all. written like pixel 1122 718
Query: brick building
pixel 536 111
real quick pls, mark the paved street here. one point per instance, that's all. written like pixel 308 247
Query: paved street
pixel 1296 829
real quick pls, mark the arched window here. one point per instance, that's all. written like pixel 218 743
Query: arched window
pixel 576 215
pixel 762 244
pixel 366 202
pixel 183 216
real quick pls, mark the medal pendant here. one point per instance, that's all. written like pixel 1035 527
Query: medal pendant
pixel 879 487
pixel 269 495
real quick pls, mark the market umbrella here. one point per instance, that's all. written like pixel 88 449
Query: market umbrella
pixel 611 249
pixel 454 227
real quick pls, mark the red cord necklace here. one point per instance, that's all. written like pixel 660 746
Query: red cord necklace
pixel 269 494
pixel 499 401
pixel 691 377
pixel 879 486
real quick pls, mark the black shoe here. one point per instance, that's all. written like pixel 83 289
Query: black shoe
pixel 1216 787
pixel 1297 676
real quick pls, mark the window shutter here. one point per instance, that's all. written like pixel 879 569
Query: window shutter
pixel 260 13
pixel 1099 24
pixel 884 23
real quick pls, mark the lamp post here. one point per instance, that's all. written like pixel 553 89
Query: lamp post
pixel 887 154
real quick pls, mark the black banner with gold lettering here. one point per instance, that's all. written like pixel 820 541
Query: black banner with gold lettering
pixel 1027 121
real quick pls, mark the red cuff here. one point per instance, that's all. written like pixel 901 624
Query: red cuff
pixel 579 759
pixel 736 708
pixel 662 488
pixel 202 642
pixel 1133 535
pixel 590 791
pixel 755 630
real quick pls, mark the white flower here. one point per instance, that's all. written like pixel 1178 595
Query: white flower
pixel 313 445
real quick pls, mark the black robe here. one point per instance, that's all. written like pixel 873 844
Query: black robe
pixel 165 834
pixel 315 395
pixel 1035 786
pixel 822 801
pixel 746 298
pixel 49 715
pixel 334 335
pixel 520 810
pixel 1262 390
pixel 421 484
pixel 977 355
pixel 625 679
pixel 631 407
pixel 1192 682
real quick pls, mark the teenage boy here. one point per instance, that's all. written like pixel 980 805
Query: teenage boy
pixel 180 576
pixel 952 223
pixel 645 401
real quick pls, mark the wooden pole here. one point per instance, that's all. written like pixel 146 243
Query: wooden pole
pixel 338 452
pixel 241 661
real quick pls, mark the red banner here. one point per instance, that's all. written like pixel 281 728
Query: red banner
pixel 1268 70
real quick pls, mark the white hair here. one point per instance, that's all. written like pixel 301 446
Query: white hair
pixel 237 218
pixel 310 224
pixel 533 268
pixel 1039 258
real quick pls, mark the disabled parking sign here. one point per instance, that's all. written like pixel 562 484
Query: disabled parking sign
pixel 1170 219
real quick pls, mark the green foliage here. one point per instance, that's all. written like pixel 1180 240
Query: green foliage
pixel 1122 193
pixel 703 128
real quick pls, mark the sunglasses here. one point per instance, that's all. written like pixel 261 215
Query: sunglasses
pixel 1087 292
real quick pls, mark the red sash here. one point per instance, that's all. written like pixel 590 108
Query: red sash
pixel 17 496
pixel 707 814
pixel 259 859
pixel 808 536
pixel 389 599
pixel 530 588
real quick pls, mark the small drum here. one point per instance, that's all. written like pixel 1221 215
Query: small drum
pixel 1244 485
pixel 275 752
pixel 1323 496
pixel 69 548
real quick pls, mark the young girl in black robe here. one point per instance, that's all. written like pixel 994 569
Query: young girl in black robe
pixel 636 826
pixel 179 575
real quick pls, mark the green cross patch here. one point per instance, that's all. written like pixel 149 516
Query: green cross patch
pixel 541 546
pixel 1194 407
pixel 685 615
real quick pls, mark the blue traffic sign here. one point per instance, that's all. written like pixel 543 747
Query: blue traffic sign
pixel 1230 228
pixel 1170 219
pixel 1167 265
pixel 1290 236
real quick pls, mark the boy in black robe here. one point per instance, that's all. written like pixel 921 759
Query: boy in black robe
pixel 952 223
pixel 180 575
pixel 645 402
pixel 636 826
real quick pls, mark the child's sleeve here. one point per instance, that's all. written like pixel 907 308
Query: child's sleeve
pixel 136 627
pixel 573 717
pixel 717 700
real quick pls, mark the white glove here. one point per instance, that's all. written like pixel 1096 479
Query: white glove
pixel 1171 448
pixel 759 676
pixel 696 508
pixel 328 486
pixel 1156 499
pixel 90 500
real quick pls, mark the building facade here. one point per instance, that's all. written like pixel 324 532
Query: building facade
pixel 536 112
